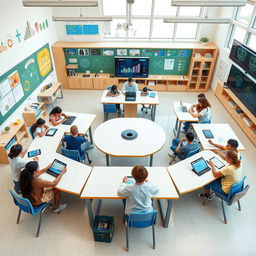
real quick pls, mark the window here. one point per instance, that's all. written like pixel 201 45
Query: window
pixel 140 29
pixel 186 30
pixel 164 7
pixel 113 29
pixel 166 30
pixel 111 7
pixel 190 11
pixel 252 42
pixel 244 14
pixel 142 7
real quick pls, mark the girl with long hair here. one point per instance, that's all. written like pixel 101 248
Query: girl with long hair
pixel 57 117
pixel 39 128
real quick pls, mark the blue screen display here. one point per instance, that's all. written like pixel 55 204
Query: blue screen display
pixel 199 166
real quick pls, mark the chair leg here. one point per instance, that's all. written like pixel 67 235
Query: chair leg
pixel 154 238
pixel 223 211
pixel 239 205
pixel 39 224
pixel 127 238
pixel 18 218
pixel 87 155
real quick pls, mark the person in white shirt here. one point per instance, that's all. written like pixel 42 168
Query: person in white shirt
pixel 130 86
pixel 17 163
pixel 140 193
pixel 39 128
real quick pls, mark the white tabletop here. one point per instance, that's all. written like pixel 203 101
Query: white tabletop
pixel 121 99
pixel 104 182
pixel 185 179
pixel 221 132
pixel 151 137
pixel 183 116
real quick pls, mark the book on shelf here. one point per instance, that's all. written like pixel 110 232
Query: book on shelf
pixel 197 55
pixel 151 83
pixel 208 55
pixel 232 103
pixel 247 121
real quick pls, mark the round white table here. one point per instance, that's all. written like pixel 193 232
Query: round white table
pixel 151 138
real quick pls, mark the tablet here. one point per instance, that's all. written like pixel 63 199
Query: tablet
pixel 199 166
pixel 152 95
pixel 51 132
pixel 218 164
pixel 56 168
pixel 130 180
pixel 35 152
pixel 208 134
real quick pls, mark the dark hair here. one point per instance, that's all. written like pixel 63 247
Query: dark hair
pixel 130 79
pixel 113 87
pixel 204 103
pixel 139 173
pixel 26 178
pixel 15 151
pixel 233 143
pixel 201 95
pixel 38 123
pixel 74 130
pixel 232 155
pixel 56 110
pixel 145 89
pixel 190 136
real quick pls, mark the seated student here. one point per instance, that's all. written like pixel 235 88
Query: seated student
pixel 55 116
pixel 181 149
pixel 139 194
pixel 231 145
pixel 130 86
pixel 40 191
pixel 39 128
pixel 76 142
pixel 114 92
pixel 201 111
pixel 228 176
pixel 16 161
pixel 200 95
pixel 144 91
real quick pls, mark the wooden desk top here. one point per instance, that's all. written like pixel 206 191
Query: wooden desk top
pixel 183 116
pixel 49 92
pixel 104 182
pixel 221 132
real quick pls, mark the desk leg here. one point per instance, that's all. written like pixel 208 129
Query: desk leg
pixel 89 211
pixel 98 206
pixel 107 159
pixel 151 160
pixel 165 215
pixel 178 131
pixel 153 113
pixel 90 134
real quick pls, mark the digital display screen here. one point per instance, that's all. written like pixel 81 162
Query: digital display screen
pixel 57 167
pixel 34 153
pixel 199 165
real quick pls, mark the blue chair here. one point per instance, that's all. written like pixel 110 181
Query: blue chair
pixel 25 205
pixel 237 191
pixel 190 153
pixel 140 220
pixel 75 155
pixel 207 122
pixel 108 109
pixel 31 132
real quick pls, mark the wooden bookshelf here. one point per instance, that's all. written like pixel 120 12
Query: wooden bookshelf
pixel 17 134
pixel 244 118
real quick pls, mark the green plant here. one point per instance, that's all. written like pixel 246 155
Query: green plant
pixel 7 128
pixel 204 39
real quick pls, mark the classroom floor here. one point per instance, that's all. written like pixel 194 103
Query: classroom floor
pixel 193 230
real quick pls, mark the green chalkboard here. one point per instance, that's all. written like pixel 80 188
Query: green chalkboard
pixel 20 81
pixel 97 60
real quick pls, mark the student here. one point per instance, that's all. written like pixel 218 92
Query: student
pixel 76 142
pixel 144 91
pixel 201 95
pixel 139 194
pixel 39 128
pixel 231 145
pixel 130 86
pixel 17 162
pixel 228 176
pixel 201 111
pixel 181 149
pixel 40 191
pixel 55 116
pixel 114 92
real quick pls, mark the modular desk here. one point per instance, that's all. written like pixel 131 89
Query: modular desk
pixel 151 138
pixel 182 117
pixel 104 182
pixel 130 107
pixel 185 179
pixel 77 173
pixel 221 132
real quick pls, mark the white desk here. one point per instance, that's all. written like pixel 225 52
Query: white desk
pixel 130 107
pixel 185 179
pixel 104 182
pixel 182 117
pixel 151 138
pixel 221 132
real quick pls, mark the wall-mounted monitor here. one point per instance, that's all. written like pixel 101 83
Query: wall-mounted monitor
pixel 243 87
pixel 244 57
pixel 131 66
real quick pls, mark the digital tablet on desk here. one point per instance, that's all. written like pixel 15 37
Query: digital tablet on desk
pixel 56 168
pixel 51 132
pixel 199 166
pixel 208 134
pixel 218 164
pixel 130 180
pixel 152 95
pixel 35 152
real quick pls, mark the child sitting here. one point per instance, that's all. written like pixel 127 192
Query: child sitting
pixel 39 128
pixel 139 194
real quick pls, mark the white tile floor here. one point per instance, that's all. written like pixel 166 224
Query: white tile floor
pixel 194 229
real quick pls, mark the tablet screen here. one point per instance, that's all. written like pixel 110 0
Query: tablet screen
pixel 199 165
pixel 218 164
pixel 208 134
pixel 34 153
pixel 130 180
pixel 51 132
pixel 57 166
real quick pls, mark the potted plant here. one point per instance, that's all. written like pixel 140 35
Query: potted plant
pixel 204 40
pixel 6 129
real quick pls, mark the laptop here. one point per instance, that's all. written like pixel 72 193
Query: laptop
pixel 183 108
pixel 130 96
pixel 199 166
pixel 69 120
pixel 56 168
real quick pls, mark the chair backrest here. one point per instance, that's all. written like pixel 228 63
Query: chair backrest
pixel 141 219
pixel 109 108
pixel 109 87
pixel 31 132
pixel 193 152
pixel 23 203
pixel 207 122
pixel 238 196
pixel 237 191
pixel 73 154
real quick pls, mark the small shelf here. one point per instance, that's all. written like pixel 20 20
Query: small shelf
pixel 32 113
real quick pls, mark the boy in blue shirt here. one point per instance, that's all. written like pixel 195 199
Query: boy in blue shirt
pixel 76 142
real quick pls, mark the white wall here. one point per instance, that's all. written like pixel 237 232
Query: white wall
pixel 14 16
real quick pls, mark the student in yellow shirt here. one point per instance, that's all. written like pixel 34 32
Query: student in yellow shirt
pixel 228 175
